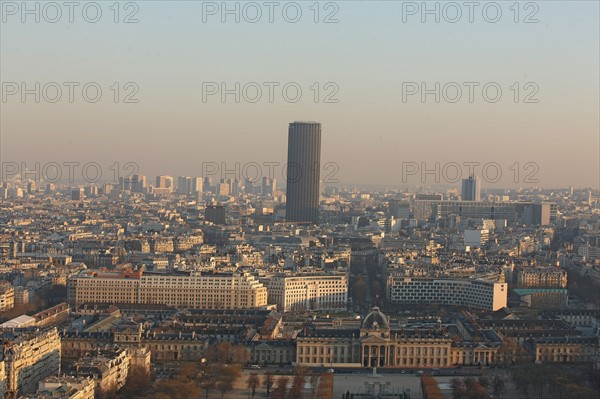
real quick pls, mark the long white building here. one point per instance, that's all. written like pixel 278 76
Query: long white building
pixel 487 295
pixel 195 290
pixel 309 292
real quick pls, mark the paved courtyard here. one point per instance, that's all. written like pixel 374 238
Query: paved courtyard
pixel 385 383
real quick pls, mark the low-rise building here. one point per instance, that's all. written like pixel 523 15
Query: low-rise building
pixel 65 388
pixel 109 369
pixel 566 349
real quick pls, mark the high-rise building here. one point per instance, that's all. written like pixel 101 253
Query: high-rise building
pixel 303 172
pixel 196 185
pixel 207 186
pixel 248 186
pixel 77 194
pixel 215 214
pixel 267 186
pixel 223 188
pixel 184 185
pixel 164 182
pixel 471 189
pixel 138 183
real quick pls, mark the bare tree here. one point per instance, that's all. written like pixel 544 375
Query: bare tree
pixel 268 382
pixel 226 377
pixel 252 383
pixel 498 386
pixel 280 390
pixel 297 389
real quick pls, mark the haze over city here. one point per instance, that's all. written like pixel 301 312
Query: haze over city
pixel 368 54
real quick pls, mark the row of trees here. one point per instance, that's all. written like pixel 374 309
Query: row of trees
pixel 477 388
pixel 279 388
pixel 430 388
pixel 530 381
pixel 536 380
pixel 224 352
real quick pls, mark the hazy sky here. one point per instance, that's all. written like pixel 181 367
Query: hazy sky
pixel 370 54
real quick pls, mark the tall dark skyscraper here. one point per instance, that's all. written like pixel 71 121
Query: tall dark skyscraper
pixel 303 172
pixel 471 189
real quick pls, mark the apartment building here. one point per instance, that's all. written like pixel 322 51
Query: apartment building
pixel 547 277
pixel 29 356
pixel 566 349
pixel 481 294
pixel 7 296
pixel 109 369
pixel 309 292
pixel 22 295
pixel 193 290
pixel 66 387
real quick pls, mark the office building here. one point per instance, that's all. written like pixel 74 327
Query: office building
pixel 399 209
pixel 184 185
pixel 309 292
pixel 165 182
pixel 194 290
pixel 223 188
pixel 471 189
pixel 487 295
pixel 538 214
pixel 215 214
pixel 77 194
pixel 267 186
pixel 303 172
pixel 436 210
pixel 476 238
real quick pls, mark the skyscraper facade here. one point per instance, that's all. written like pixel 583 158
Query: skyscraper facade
pixel 471 189
pixel 303 172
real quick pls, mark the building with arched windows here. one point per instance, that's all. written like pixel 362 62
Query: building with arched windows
pixel 377 344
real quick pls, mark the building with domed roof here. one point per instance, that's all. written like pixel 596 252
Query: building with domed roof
pixel 377 344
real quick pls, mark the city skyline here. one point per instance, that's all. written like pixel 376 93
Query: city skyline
pixel 299 199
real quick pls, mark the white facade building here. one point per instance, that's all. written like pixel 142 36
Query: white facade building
pixel 487 295
pixel 309 292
